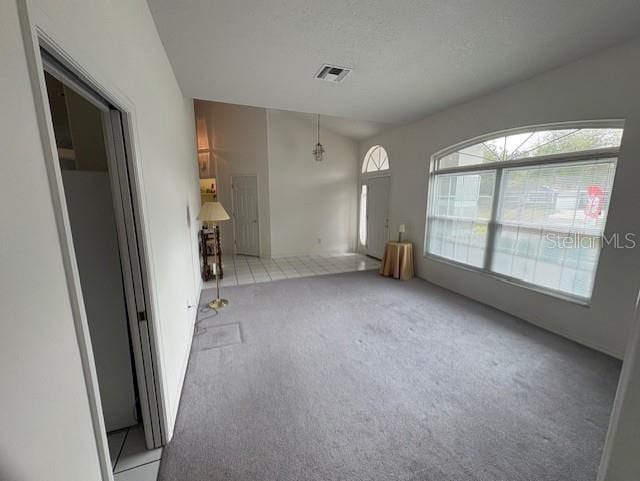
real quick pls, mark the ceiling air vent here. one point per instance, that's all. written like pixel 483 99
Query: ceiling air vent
pixel 332 73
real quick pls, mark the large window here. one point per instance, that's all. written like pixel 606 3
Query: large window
pixel 529 206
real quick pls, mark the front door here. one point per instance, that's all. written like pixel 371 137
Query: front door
pixel 245 214
pixel 377 216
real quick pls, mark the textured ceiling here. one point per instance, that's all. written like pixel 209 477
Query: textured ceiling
pixel 353 128
pixel 410 58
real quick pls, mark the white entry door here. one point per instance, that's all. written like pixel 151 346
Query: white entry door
pixel 377 216
pixel 245 214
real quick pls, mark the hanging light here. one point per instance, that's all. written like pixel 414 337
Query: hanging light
pixel 318 150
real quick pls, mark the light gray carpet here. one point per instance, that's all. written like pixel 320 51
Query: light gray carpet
pixel 355 377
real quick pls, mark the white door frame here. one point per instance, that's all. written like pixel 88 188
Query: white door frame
pixel 364 180
pixel 233 211
pixel 35 38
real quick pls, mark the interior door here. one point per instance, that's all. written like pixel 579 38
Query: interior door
pixel 95 241
pixel 126 200
pixel 140 325
pixel 377 216
pixel 245 214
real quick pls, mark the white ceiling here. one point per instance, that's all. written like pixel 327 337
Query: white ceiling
pixel 410 58
pixel 352 128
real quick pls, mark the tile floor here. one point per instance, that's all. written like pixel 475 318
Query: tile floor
pixel 240 269
pixel 130 459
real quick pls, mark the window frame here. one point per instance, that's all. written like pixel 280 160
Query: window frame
pixel 499 167
pixel 363 179
pixel 362 216
pixel 366 160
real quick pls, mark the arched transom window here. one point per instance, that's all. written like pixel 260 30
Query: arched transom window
pixel 375 160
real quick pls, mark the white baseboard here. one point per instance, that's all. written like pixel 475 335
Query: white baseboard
pixel 185 361
pixel 546 327
pixel 335 252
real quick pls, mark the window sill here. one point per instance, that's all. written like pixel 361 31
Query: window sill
pixel 581 301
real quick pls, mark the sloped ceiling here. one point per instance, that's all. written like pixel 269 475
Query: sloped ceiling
pixel 410 58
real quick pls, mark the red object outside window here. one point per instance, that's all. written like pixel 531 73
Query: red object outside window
pixel 595 201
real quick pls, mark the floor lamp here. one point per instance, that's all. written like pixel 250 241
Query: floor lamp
pixel 211 213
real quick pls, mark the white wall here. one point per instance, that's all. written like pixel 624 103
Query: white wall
pixel 46 426
pixel 238 138
pixel 310 200
pixel 620 460
pixel 601 86
pixel 300 200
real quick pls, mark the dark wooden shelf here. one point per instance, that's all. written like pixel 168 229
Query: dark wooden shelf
pixel 210 253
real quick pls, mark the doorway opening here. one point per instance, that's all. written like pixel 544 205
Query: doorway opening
pixel 375 181
pixel 101 212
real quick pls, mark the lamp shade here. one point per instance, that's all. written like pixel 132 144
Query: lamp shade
pixel 213 212
pixel 402 228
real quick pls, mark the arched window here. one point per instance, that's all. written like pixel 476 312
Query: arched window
pixel 375 160
pixel 529 206
pixel 530 144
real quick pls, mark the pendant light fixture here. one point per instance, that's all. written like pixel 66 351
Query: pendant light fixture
pixel 318 150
